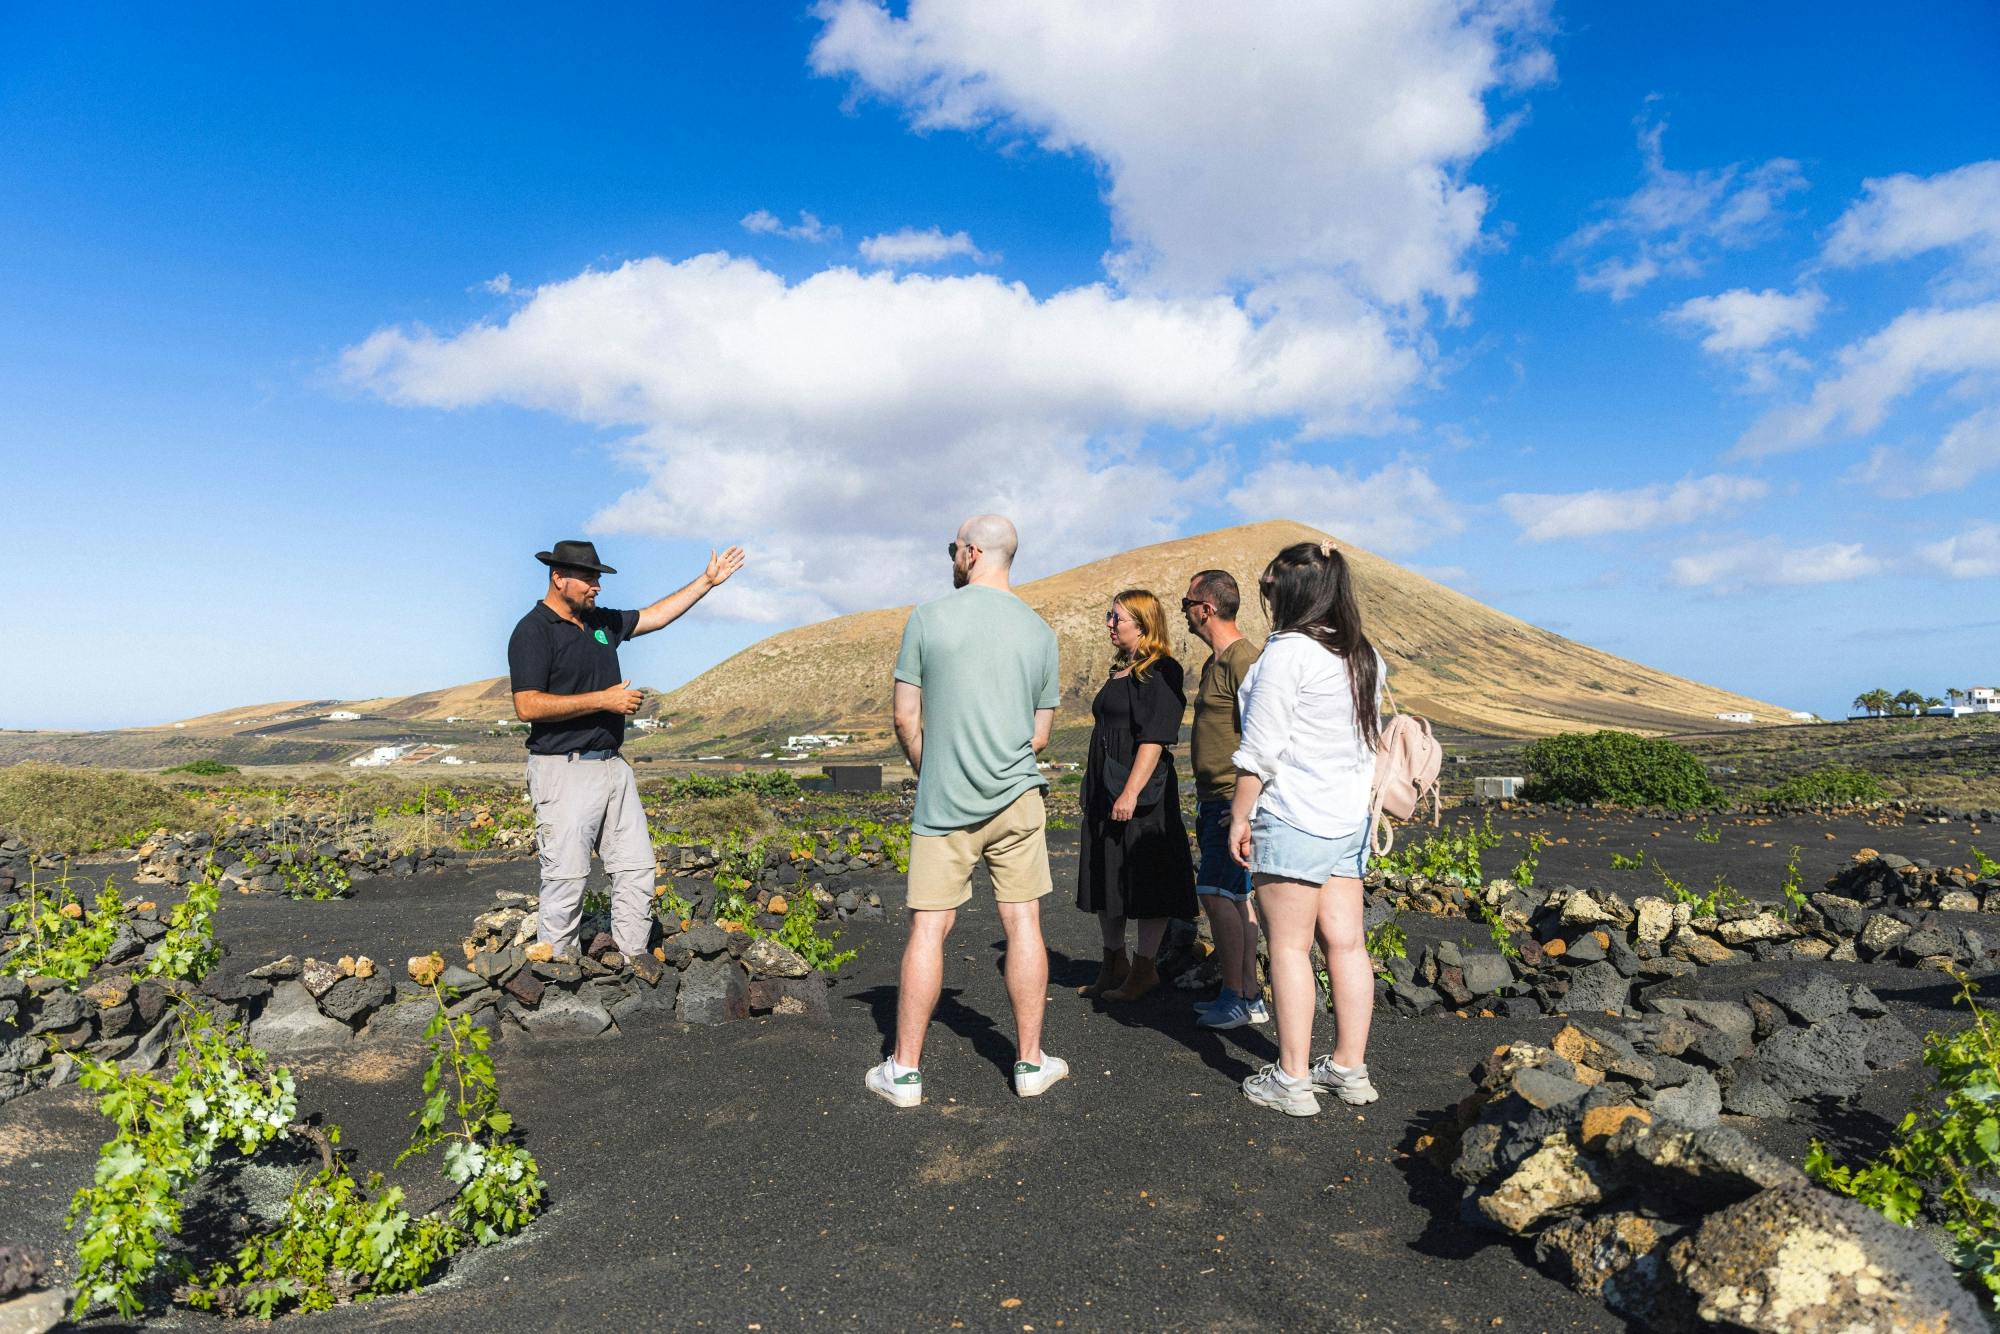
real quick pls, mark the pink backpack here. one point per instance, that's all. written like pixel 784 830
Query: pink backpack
pixel 1407 760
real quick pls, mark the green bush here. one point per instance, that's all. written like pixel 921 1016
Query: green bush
pixel 1829 785
pixel 772 785
pixel 203 769
pixel 60 810
pixel 1619 768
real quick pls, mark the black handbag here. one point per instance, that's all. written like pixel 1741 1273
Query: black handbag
pixel 1115 773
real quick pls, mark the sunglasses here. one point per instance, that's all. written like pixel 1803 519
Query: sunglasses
pixel 951 548
pixel 1114 618
pixel 1188 603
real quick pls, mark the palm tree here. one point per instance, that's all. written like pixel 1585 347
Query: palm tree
pixel 1908 702
pixel 1932 702
pixel 1956 696
pixel 1874 702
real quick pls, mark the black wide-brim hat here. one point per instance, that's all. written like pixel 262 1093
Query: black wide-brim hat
pixel 576 556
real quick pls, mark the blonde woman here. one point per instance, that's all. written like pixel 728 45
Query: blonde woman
pixel 1135 864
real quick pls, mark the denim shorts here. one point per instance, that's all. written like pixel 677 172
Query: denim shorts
pixel 1290 853
pixel 1219 874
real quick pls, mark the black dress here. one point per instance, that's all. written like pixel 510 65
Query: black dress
pixel 1139 867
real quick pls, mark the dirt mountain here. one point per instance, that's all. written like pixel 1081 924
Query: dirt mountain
pixel 1451 658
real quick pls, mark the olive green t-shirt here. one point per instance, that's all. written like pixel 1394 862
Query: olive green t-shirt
pixel 985 662
pixel 1218 724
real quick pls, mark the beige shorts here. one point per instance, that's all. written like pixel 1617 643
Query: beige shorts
pixel 1013 843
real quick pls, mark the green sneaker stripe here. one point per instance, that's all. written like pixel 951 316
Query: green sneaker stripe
pixel 914 1077
pixel 1023 1068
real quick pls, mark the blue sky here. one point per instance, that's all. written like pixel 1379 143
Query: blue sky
pixel 1673 329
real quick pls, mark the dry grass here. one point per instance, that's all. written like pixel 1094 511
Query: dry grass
pixel 68 811
pixel 713 818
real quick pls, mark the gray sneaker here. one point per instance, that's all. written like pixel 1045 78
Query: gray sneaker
pixel 903 1091
pixel 1350 1086
pixel 1267 1090
pixel 1031 1081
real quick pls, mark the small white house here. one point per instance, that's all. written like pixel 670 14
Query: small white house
pixel 1803 716
pixel 1734 717
pixel 343 716
pixel 381 757
pixel 647 724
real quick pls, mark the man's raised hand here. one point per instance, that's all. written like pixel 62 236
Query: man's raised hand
pixel 721 566
pixel 622 698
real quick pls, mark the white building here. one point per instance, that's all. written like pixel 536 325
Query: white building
pixel 343 716
pixel 647 724
pixel 1804 716
pixel 1736 717
pixel 381 757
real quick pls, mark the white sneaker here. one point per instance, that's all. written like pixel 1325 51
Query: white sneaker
pixel 902 1090
pixel 1031 1081
pixel 1267 1089
pixel 1350 1086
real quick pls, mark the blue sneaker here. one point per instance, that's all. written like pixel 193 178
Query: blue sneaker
pixel 1259 1012
pixel 1222 1000
pixel 1233 1015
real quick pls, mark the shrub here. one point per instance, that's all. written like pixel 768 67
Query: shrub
pixel 1619 768
pixel 712 819
pixel 203 769
pixel 1829 785
pixel 61 810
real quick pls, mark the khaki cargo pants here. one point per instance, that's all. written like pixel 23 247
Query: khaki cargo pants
pixel 581 805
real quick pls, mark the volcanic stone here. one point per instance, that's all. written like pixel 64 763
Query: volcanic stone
pixel 1830 1057
pixel 1763 926
pixel 713 991
pixel 1553 1178
pixel 1796 1257
pixel 707 940
pixel 647 1006
pixel 1586 948
pixel 1486 972
pixel 353 999
pixel 563 1015
pixel 1880 933
pixel 292 1021
pixel 1810 998
pixel 1597 987
pixel 58 1010
pixel 768 958
pixel 318 976
pixel 1600 1049
pixel 525 987
pixel 1696 1103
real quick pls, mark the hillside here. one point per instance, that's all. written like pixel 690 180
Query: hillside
pixel 1450 657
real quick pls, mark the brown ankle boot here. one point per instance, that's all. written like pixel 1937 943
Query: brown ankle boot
pixel 1110 973
pixel 1142 979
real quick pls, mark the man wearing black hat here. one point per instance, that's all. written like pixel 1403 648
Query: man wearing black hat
pixel 563 665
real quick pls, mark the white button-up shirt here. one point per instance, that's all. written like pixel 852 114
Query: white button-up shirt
pixel 1301 737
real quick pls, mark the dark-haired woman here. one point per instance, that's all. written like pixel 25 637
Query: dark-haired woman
pixel 1134 863
pixel 1300 818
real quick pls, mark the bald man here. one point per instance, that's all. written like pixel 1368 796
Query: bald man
pixel 976 694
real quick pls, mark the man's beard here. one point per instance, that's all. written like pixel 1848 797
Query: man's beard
pixel 960 575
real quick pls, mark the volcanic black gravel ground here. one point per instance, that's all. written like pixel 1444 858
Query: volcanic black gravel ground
pixel 741 1178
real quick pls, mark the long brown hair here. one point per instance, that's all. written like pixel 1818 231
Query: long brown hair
pixel 1151 618
pixel 1307 590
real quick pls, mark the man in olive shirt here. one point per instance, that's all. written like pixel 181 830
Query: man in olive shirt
pixel 975 697
pixel 562 664
pixel 1223 887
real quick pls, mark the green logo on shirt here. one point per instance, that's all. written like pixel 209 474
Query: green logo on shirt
pixel 598 635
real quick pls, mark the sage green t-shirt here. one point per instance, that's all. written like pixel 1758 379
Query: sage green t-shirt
pixel 985 663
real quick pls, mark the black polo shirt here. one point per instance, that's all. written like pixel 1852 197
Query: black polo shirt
pixel 547 653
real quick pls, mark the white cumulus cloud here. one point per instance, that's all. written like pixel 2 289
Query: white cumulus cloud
pixel 1770 562
pixel 1972 554
pixel 1547 517
pixel 911 248
pixel 1395 509
pixel 807 228
pixel 1904 215
pixel 1873 373
pixel 1969 449
pixel 1741 320
pixel 1678 221
pixel 1316 152
pixel 840 422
